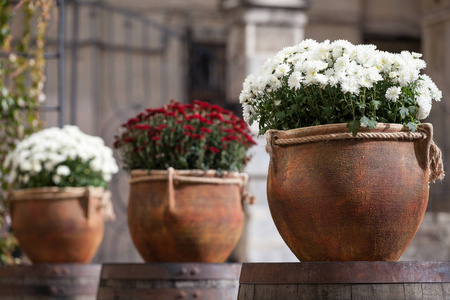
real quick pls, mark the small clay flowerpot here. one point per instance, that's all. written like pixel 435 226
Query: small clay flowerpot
pixel 185 216
pixel 56 225
pixel 334 197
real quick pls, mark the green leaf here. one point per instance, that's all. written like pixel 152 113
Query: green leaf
pixel 252 119
pixel 412 110
pixel 263 130
pixel 372 124
pixel 280 114
pixel 353 126
pixel 403 112
pixel 412 126
pixel 364 120
pixel 376 104
pixel 327 111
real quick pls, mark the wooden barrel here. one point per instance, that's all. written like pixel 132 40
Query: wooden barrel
pixel 169 281
pixel 345 280
pixel 49 282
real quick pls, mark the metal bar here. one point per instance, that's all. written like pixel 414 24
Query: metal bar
pixel 27 55
pixel 128 59
pixel 74 52
pixel 146 68
pixel 120 48
pixel 94 74
pixel 164 71
pixel 132 15
pixel 61 62
pixel 49 108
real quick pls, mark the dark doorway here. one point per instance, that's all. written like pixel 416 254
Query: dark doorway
pixel 207 73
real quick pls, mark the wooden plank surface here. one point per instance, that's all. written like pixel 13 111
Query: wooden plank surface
pixel 169 281
pixel 171 271
pixel 49 281
pixel 346 281
pixel 345 272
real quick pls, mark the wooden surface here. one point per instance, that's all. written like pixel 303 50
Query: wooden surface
pixel 49 282
pixel 169 281
pixel 345 280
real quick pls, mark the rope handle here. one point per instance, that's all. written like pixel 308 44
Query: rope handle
pixel 173 179
pixel 56 194
pixel 435 161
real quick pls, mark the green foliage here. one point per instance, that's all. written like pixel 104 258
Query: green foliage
pixel 310 106
pixel 81 175
pixel 21 83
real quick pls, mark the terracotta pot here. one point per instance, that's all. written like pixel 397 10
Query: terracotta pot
pixel 56 225
pixel 348 199
pixel 173 220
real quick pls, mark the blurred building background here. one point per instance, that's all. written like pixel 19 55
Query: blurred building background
pixel 124 56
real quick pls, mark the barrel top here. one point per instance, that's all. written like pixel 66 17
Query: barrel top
pixel 51 270
pixel 345 272
pixel 177 271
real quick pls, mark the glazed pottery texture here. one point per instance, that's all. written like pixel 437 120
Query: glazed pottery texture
pixel 348 199
pixel 173 220
pixel 56 225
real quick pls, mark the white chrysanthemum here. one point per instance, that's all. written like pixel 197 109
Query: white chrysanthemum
pixel 364 81
pixel 424 107
pixel 56 179
pixel 47 149
pixel 354 69
pixel 277 102
pixel 393 93
pixel 63 170
pixel 295 80
pixel 350 86
pixel 282 70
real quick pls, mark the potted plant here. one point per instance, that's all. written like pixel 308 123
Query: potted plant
pixel 59 200
pixel 350 162
pixel 186 190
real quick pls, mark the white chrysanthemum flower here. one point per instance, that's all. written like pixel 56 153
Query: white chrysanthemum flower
pixel 393 93
pixel 63 170
pixel 350 86
pixel 277 102
pixel 273 82
pixel 56 179
pixel 282 70
pixel 393 75
pixel 295 80
pixel 365 82
pixel 424 107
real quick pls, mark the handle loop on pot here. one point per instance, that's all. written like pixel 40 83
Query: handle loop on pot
pixel 436 163
pixel 171 188
pixel 246 196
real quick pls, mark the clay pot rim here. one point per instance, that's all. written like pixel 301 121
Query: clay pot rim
pixel 190 172
pixel 75 192
pixel 338 128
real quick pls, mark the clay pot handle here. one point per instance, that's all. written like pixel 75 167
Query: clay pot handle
pixel 434 163
pixel 171 188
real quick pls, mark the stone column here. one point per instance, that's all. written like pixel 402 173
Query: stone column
pixel 257 30
pixel 436 46
pixel 433 238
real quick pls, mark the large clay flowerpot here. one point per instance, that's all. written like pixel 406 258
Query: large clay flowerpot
pixel 185 216
pixel 334 197
pixel 56 225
